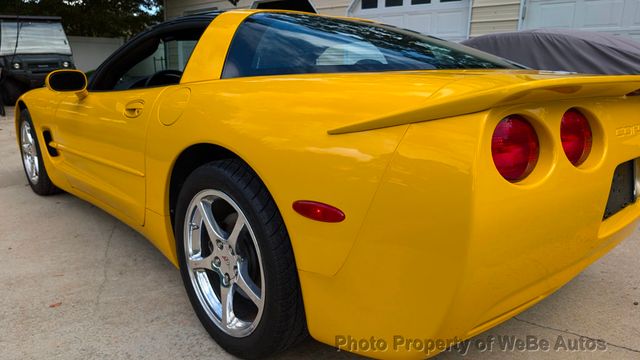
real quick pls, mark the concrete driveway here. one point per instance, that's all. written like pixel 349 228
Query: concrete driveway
pixel 77 284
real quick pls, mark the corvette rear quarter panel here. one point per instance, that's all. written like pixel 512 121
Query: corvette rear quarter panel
pixel 279 127
pixel 460 248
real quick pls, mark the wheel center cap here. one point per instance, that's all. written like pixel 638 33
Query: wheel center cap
pixel 225 263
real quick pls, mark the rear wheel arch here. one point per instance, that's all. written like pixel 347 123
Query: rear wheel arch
pixel 188 161
pixel 194 157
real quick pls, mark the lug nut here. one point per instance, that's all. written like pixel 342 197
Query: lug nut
pixel 219 244
pixel 216 261
pixel 227 278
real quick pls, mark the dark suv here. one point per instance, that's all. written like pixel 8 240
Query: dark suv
pixel 30 48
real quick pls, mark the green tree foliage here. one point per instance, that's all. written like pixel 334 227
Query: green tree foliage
pixel 107 18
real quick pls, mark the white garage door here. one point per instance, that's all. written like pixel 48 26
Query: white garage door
pixel 619 17
pixel 447 19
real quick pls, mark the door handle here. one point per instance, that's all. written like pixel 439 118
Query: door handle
pixel 134 108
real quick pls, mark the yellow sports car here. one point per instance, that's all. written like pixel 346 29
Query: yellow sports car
pixel 378 189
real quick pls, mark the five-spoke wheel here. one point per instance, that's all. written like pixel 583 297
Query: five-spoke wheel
pixel 237 262
pixel 224 262
pixel 32 159
pixel 29 152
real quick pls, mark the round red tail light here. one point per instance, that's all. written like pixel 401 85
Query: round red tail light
pixel 576 136
pixel 515 148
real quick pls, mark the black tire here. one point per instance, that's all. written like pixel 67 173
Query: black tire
pixel 11 91
pixel 42 185
pixel 283 322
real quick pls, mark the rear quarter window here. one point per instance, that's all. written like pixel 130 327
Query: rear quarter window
pixel 278 44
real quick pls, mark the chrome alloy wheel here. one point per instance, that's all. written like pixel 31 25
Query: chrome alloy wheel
pixel 224 263
pixel 29 152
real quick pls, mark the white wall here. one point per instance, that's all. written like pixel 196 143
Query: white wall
pixel 90 52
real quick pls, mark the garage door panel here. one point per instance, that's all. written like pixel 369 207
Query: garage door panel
pixel 555 14
pixel 395 20
pixel 620 17
pixel 449 24
pixel 633 12
pixel 602 14
pixel 420 22
pixel 445 19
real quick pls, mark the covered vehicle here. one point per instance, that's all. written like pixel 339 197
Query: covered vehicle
pixel 564 50
pixel 30 48
pixel 341 178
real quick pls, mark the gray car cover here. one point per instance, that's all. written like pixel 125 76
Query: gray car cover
pixel 564 50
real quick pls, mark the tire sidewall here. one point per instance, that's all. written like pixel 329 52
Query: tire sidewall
pixel 211 177
pixel 44 186
pixel 26 118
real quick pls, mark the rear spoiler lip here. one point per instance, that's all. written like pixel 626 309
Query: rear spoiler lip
pixel 444 106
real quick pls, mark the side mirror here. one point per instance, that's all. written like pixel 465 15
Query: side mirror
pixel 67 81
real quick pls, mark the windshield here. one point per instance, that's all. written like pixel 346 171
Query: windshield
pixel 35 38
pixel 278 43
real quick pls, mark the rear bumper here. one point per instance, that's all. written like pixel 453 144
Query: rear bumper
pixel 450 249
pixel 381 313
pixel 546 286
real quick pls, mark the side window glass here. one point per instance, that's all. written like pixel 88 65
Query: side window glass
pixel 178 53
pixel 138 74
pixel 163 67
pixel 281 43
pixel 157 57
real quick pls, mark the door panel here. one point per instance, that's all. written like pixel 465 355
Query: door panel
pixel 102 138
pixel 102 144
